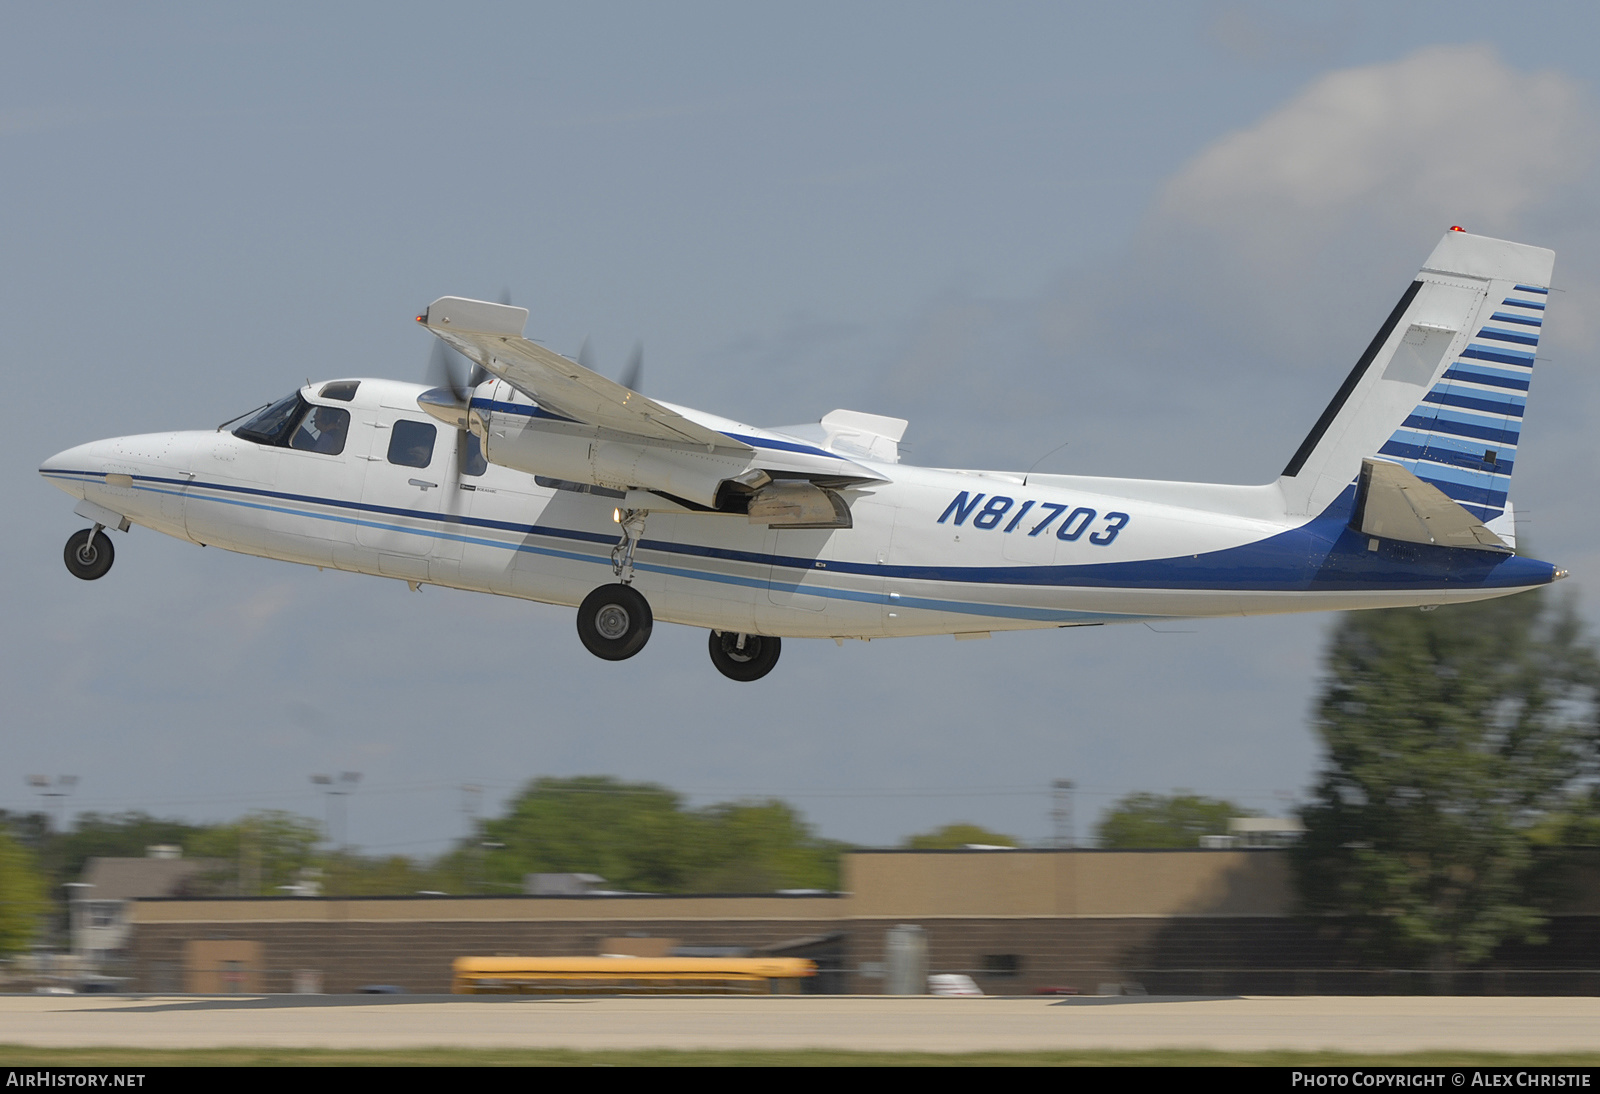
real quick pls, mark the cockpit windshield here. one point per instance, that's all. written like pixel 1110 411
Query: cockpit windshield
pixel 271 426
pixel 292 422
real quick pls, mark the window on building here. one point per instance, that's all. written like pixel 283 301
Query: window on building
pixel 1002 964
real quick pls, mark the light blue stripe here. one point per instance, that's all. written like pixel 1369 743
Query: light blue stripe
pixel 1443 472
pixel 1447 394
pixel 1503 354
pixel 995 611
pixel 1454 444
pixel 1442 413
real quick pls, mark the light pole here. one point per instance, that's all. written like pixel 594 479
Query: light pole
pixel 336 788
pixel 1061 813
pixel 58 789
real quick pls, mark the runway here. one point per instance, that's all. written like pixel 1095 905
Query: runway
pixel 1364 1024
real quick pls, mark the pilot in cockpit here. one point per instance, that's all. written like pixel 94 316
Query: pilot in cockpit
pixel 322 430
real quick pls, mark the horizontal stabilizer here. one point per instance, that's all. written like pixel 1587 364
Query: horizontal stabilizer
pixel 1395 504
pixel 871 436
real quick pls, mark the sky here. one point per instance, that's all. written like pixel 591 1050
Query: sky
pixel 1145 239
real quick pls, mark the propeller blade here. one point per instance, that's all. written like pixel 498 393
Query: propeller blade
pixel 634 373
pixel 585 356
pixel 453 491
pixel 448 369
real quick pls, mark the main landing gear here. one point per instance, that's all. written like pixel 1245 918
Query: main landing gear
pixel 614 622
pixel 744 656
pixel 88 554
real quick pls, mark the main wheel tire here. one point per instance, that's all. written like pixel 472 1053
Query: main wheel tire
pixel 753 662
pixel 88 554
pixel 614 622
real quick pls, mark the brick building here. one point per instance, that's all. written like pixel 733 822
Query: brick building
pixel 1162 922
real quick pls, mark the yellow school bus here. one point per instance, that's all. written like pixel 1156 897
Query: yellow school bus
pixel 630 975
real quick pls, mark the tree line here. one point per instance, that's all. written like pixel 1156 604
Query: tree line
pixel 637 837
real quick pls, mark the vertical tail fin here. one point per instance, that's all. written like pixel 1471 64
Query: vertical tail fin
pixel 1441 389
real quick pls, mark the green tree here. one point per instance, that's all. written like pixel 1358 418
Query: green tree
pixel 641 837
pixel 1143 821
pixel 761 846
pixel 112 835
pixel 955 836
pixel 265 851
pixel 22 896
pixel 1453 739
pixel 637 836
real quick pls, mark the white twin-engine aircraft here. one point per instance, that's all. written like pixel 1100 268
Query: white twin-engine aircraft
pixel 538 478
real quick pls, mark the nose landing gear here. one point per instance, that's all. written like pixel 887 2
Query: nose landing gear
pixel 744 656
pixel 88 554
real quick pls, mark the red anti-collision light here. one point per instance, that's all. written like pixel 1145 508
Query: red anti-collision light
pixel 1457 228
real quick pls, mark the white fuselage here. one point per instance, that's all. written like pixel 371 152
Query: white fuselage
pixel 929 551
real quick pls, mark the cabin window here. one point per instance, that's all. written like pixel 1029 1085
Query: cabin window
pixel 411 444
pixel 322 429
pixel 342 390
pixel 272 425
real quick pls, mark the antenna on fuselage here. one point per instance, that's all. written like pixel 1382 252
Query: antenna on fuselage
pixel 1042 458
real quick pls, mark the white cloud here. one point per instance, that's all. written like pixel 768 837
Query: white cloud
pixel 1449 134
pixel 1262 270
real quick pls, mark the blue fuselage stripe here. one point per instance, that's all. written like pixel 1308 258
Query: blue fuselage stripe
pixel 1323 554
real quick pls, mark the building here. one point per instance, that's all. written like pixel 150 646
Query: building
pixel 1016 921
pixel 98 905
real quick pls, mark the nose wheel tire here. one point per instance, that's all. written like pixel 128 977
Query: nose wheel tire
pixel 614 622
pixel 752 662
pixel 88 554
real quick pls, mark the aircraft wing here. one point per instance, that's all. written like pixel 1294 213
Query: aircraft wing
pixel 491 334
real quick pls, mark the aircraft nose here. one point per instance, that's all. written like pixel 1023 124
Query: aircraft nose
pixel 74 465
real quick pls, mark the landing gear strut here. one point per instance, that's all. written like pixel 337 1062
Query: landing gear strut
pixel 744 656
pixel 614 622
pixel 88 554
pixel 632 523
